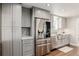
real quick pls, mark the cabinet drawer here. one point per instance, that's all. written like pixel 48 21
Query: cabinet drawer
pixel 41 49
pixel 42 13
pixel 28 41
pixel 28 53
pixel 41 41
pixel 27 47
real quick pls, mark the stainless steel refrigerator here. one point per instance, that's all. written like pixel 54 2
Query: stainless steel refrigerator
pixel 42 37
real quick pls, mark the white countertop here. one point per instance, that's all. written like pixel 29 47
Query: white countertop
pixel 27 37
pixel 61 34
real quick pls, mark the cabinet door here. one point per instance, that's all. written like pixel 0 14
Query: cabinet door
pixel 17 30
pixel 26 17
pixel 42 13
pixel 17 41
pixel 66 39
pixel 6 29
pixel 17 15
pixel 53 42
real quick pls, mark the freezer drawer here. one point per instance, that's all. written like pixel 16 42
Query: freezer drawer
pixel 41 50
pixel 48 40
pixel 41 41
pixel 38 50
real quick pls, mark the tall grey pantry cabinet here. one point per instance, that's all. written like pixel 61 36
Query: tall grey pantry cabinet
pixel 13 43
pixel 11 29
pixel 27 38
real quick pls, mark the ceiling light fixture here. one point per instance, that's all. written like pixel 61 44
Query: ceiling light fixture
pixel 62 9
pixel 48 4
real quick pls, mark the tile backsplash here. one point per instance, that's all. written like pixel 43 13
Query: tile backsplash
pixel 25 31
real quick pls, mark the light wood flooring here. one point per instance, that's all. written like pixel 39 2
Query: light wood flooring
pixel 74 52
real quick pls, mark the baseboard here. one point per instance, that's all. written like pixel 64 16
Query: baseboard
pixel 74 44
pixel 59 47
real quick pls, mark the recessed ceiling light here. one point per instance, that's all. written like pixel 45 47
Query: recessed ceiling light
pixel 48 4
pixel 62 9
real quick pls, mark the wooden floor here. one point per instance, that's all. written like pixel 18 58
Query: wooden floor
pixel 74 52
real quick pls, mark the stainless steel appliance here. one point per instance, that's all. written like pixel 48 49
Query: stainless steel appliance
pixel 42 37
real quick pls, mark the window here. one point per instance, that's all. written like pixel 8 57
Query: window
pixel 60 22
pixel 57 22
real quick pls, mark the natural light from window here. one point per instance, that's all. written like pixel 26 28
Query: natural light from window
pixel 57 22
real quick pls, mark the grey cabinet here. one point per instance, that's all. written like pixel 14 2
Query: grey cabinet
pixel 28 47
pixel 40 13
pixel 26 17
pixel 11 29
pixel 60 42
pixel 16 29
pixel 6 28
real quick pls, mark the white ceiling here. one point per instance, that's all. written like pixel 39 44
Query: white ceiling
pixel 60 9
pixel 40 5
pixel 66 9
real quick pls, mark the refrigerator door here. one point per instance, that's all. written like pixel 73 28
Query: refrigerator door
pixel 48 47
pixel 44 49
pixel 41 50
pixel 39 28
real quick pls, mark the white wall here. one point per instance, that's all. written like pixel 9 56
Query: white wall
pixel 73 26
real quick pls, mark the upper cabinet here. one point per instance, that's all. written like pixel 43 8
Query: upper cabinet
pixel 40 13
pixel 26 17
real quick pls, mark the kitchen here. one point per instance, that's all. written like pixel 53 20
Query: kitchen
pixel 29 29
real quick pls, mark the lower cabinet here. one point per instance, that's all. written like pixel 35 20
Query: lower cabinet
pixel 27 47
pixel 56 43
